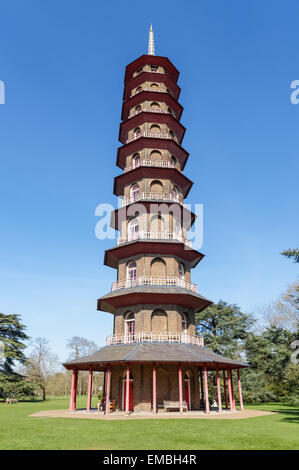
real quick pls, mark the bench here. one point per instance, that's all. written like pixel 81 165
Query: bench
pixel 11 400
pixel 174 405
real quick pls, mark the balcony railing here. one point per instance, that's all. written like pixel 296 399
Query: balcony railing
pixel 142 235
pixel 146 88
pixel 151 196
pixel 154 281
pixel 150 110
pixel 155 338
pixel 150 134
pixel 152 163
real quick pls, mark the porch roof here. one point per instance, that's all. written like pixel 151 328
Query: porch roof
pixel 153 352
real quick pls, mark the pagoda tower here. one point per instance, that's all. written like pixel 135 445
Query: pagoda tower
pixel 153 356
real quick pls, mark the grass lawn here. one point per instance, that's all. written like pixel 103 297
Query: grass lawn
pixel 18 431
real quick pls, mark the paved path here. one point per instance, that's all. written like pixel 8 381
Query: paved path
pixel 83 414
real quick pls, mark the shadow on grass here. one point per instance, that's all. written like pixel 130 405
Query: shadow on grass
pixel 292 415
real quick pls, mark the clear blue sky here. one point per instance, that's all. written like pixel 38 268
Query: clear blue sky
pixel 63 65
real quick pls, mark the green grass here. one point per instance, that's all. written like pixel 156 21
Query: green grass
pixel 19 431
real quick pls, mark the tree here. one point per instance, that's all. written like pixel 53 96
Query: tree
pixel 269 356
pixel 81 347
pixel 41 364
pixel 284 312
pixel 224 328
pixel 12 336
pixel 292 254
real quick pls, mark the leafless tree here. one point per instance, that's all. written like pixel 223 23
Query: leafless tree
pixel 42 363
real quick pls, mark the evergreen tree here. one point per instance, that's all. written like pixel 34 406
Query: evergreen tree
pixel 224 328
pixel 12 337
pixel 292 254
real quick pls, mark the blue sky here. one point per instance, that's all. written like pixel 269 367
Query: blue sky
pixel 63 67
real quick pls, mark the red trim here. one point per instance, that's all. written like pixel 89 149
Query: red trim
pixel 145 59
pixel 180 388
pixel 110 304
pixel 151 76
pixel 240 390
pixel 107 399
pixel 131 210
pixel 133 248
pixel 89 390
pixel 150 142
pixel 147 95
pixel 154 389
pixel 173 174
pixel 207 404
pixel 218 391
pixel 225 392
pixel 151 118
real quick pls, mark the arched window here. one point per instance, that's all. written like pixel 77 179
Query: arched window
pixel 156 155
pixel 133 228
pixel 132 271
pixel 154 87
pixel 138 109
pixel 173 160
pixel 154 68
pixel 137 132
pixel 156 187
pixel 175 192
pixel 139 89
pixel 155 107
pixel 136 160
pixel 155 129
pixel 130 324
pixel 178 227
pixel 184 324
pixel 181 271
pixel 157 224
pixel 159 321
pixel 169 110
pixel 171 134
pixel 158 268
pixel 134 191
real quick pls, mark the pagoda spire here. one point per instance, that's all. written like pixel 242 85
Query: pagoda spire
pixel 151 42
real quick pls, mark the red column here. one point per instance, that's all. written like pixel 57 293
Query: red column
pixel 224 385
pixel 207 404
pixel 232 385
pixel 229 390
pixel 240 391
pixel 218 391
pixel 107 398
pixel 127 389
pixel 180 388
pixel 74 390
pixel 154 389
pixel 89 390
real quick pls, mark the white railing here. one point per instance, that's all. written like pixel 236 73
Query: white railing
pixel 154 281
pixel 149 110
pixel 151 196
pixel 150 134
pixel 158 164
pixel 146 88
pixel 155 338
pixel 142 235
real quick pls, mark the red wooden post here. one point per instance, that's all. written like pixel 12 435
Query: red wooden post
pixel 240 391
pixel 127 389
pixel 232 385
pixel 224 385
pixel 180 388
pixel 74 390
pixel 218 391
pixel 207 404
pixel 89 390
pixel 107 398
pixel 229 390
pixel 154 389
